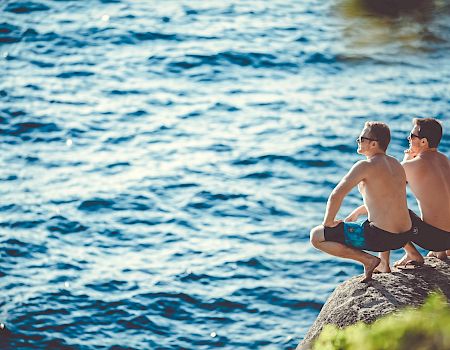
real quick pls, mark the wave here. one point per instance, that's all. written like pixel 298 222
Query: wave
pixel 198 277
pixel 156 36
pixel 22 224
pixel 220 196
pixel 6 28
pixel 135 38
pixel 278 297
pixel 119 164
pixel 254 263
pixel 13 112
pixel 16 248
pixel 318 57
pixel 309 199
pixel 126 201
pixel 21 128
pixel 144 323
pixel 111 286
pixel 272 158
pixel 10 207
pixel 96 204
pixel 138 113
pixel 72 74
pixel 125 92
pixel 147 222
pixel 219 147
pixel 242 59
pixel 63 225
pixel 9 39
pixel 256 60
pixel 22 7
pixel 42 64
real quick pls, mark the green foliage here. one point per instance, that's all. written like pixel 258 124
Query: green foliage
pixel 426 328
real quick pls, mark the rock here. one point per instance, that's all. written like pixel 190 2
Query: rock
pixel 354 301
pixel 396 8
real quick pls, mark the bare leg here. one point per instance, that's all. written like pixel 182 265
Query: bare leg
pixel 412 254
pixel 384 264
pixel 440 255
pixel 370 262
pixel 448 252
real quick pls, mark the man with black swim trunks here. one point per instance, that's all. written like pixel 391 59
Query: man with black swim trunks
pixel 428 174
pixel 382 183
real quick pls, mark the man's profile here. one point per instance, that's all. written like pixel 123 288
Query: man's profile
pixel 428 175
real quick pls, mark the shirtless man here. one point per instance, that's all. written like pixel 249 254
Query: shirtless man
pixel 428 174
pixel 382 183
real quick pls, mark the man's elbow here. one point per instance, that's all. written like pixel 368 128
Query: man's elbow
pixel 336 195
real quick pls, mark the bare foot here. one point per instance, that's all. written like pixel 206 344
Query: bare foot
pixel 369 267
pixel 383 267
pixel 440 255
pixel 409 257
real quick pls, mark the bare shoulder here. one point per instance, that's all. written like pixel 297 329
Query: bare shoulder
pixel 361 168
pixel 444 157
pixel 362 165
pixel 416 168
pixel 414 163
pixel 393 160
pixel 445 161
pixel 358 168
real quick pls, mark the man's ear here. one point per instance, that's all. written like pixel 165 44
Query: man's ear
pixel 424 142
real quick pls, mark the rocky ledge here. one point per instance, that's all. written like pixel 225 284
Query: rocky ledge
pixel 354 301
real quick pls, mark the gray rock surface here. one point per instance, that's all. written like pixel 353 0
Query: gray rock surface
pixel 354 301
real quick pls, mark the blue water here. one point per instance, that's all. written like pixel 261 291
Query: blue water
pixel 163 162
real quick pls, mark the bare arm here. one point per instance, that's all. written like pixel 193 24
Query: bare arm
pixel 408 155
pixel 353 216
pixel 411 167
pixel 356 174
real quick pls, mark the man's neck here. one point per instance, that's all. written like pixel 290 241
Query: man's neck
pixel 375 154
pixel 427 150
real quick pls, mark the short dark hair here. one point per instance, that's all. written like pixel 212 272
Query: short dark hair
pixel 431 129
pixel 379 131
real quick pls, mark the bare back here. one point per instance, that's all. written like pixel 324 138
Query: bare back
pixel 384 194
pixel 429 178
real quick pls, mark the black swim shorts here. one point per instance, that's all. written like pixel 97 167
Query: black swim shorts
pixel 430 237
pixel 367 236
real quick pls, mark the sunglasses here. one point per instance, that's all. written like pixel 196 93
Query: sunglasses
pixel 411 135
pixel 362 138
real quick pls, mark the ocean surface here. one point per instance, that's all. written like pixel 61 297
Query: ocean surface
pixel 162 162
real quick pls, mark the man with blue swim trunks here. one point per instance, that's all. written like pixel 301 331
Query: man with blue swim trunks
pixel 382 182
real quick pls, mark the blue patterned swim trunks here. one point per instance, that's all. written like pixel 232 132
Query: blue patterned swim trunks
pixel 366 236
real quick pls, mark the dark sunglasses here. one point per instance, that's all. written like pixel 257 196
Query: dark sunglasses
pixel 411 135
pixel 361 138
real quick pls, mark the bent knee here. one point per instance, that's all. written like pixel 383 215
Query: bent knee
pixel 316 235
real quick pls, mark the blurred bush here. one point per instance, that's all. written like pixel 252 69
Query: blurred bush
pixel 426 328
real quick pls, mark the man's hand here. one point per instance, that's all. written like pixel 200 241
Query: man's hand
pixel 409 154
pixel 333 223
pixel 355 214
pixel 352 217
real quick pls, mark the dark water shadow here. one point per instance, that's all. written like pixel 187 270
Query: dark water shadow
pixel 397 25
pixel 419 10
